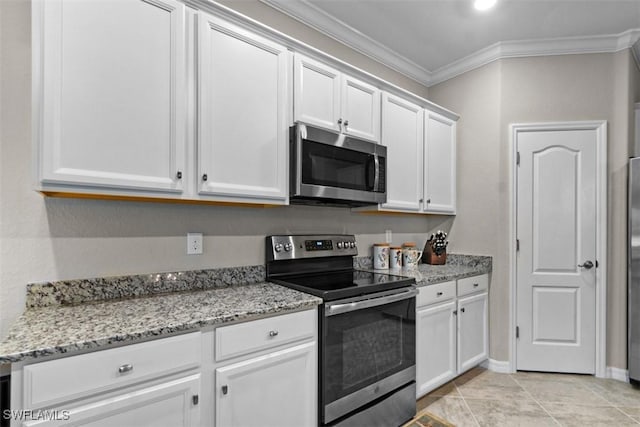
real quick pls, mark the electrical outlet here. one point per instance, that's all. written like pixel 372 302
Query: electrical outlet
pixel 388 236
pixel 194 243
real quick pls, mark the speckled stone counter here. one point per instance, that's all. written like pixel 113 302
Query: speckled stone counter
pixel 60 329
pixel 457 267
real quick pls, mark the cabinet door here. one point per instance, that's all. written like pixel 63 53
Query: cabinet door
pixel 473 337
pixel 274 390
pixel 316 93
pixel 440 164
pixel 243 132
pixel 109 98
pixel 360 109
pixel 402 133
pixel 168 404
pixel 435 346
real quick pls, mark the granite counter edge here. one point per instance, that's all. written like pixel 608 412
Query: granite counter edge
pixel 104 343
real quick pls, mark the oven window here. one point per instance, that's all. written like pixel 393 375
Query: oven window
pixel 332 166
pixel 365 346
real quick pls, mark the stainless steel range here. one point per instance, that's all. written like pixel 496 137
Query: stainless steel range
pixel 366 354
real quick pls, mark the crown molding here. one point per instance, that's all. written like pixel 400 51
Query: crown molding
pixel 540 47
pixel 321 21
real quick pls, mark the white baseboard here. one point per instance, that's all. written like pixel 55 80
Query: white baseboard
pixel 499 366
pixel 617 374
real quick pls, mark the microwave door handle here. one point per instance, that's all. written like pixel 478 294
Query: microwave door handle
pixel 332 310
pixel 376 179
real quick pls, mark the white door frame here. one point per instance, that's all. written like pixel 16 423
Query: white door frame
pixel 600 127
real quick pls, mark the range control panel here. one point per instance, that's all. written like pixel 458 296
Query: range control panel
pixel 283 247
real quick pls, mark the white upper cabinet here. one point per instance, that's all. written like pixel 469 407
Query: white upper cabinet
pixel 402 133
pixel 440 164
pixel 325 97
pixel 109 104
pixel 242 115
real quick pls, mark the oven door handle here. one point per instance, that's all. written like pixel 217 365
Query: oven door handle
pixel 332 310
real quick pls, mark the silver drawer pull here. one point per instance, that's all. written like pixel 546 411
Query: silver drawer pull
pixel 475 285
pixel 439 294
pixel 273 333
pixel 125 368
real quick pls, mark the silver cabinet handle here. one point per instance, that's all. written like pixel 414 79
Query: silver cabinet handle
pixel 439 294
pixel 273 333
pixel 587 265
pixel 462 309
pixel 475 285
pixel 179 175
pixel 125 368
pixel 225 389
pixel 346 123
pixel 455 312
pixel 340 121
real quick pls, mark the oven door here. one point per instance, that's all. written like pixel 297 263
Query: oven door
pixel 330 166
pixel 368 350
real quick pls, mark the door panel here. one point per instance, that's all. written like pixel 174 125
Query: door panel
pixel 440 164
pixel 557 231
pixel 113 104
pixel 242 118
pixel 402 133
pixel 316 93
pixel 361 109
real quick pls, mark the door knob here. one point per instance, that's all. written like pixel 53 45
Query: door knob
pixel 587 264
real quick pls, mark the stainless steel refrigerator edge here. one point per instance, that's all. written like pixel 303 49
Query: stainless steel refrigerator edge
pixel 633 296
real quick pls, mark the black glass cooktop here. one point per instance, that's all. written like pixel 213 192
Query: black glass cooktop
pixel 335 285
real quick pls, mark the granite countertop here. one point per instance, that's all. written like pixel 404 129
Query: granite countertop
pixel 457 267
pixel 62 329
pixel 67 317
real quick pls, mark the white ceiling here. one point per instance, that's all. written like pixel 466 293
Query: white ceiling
pixel 431 40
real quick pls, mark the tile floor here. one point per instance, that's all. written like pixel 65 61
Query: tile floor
pixel 484 398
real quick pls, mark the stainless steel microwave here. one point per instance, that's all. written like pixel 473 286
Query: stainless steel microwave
pixel 331 168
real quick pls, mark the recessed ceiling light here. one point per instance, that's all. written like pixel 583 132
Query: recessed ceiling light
pixel 484 4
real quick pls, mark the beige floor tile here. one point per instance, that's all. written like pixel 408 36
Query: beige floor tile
pixel 494 392
pixel 571 378
pixel 618 393
pixel 453 410
pixel 485 378
pixel 582 415
pixel 448 390
pixel 562 392
pixel 634 412
pixel 509 413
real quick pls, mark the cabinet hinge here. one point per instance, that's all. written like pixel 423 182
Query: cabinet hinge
pixel 517 332
pixel 518 158
pixel 517 245
pixel 195 399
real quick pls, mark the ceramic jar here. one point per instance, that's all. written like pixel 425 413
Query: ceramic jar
pixel 381 256
pixel 410 255
pixel 395 257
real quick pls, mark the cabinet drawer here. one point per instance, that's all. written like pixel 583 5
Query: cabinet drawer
pixel 65 379
pixel 236 340
pixel 469 285
pixel 435 293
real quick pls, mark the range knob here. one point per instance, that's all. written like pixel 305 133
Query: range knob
pixel 287 247
pixel 278 247
pixel 340 245
pixel 352 245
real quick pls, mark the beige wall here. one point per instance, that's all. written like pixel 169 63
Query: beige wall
pixel 49 239
pixel 541 89
pixel 476 97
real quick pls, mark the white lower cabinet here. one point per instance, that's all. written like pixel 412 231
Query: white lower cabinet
pixel 452 330
pixel 277 389
pixel 257 373
pixel 272 379
pixel 169 404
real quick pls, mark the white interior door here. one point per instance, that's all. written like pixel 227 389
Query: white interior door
pixel 556 228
